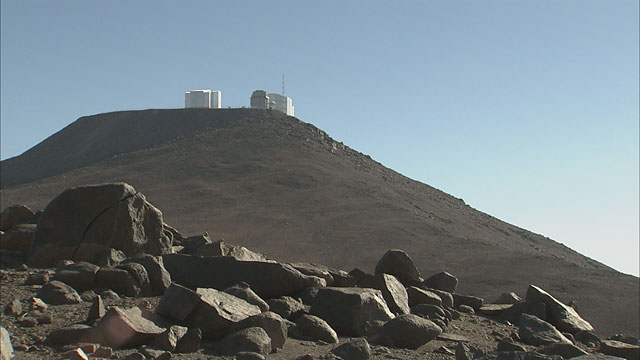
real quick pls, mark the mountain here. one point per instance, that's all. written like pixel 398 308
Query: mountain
pixel 283 187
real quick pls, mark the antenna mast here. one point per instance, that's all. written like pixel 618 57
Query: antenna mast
pixel 282 84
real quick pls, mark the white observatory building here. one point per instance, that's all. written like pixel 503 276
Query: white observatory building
pixel 282 103
pixel 207 99
pixel 260 100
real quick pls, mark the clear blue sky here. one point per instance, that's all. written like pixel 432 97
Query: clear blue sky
pixel 528 110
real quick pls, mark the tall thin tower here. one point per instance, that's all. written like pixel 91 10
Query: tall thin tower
pixel 282 84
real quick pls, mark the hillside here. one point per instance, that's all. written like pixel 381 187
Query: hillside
pixel 285 188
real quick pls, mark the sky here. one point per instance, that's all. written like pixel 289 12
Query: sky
pixel 527 110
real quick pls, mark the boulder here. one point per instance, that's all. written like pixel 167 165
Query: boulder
pixel 508 345
pixel 97 310
pixel 220 248
pixel 170 338
pixel 244 292
pixel 287 307
pixel 621 349
pixel 81 275
pixel 177 302
pixel 399 264
pixel 140 274
pixel 110 257
pixel 190 342
pixel 191 243
pixel 508 298
pixel 355 349
pixel 37 279
pixel 58 293
pixel 446 297
pixel 120 328
pixel 349 311
pixel 421 296
pixel 473 301
pixel 494 309
pixel 392 290
pixel 563 317
pixel 119 280
pixel 409 331
pixel 267 279
pixel 252 339
pixel 6 350
pixel 14 307
pixel 83 222
pixel 73 334
pixel 315 270
pixel 217 311
pixel 315 328
pixel 19 238
pixel 428 311
pixel 567 351
pixel 342 278
pixel 14 215
pixel 273 324
pixel 534 331
pixel 442 281
pixel 158 276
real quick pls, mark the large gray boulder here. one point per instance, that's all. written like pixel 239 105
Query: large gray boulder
pixel 267 279
pixel 287 307
pixel 16 214
pixel 563 317
pixel 273 324
pixel 158 276
pixel 392 290
pixel 422 296
pixel 177 303
pixel 252 339
pixel 217 311
pixel 621 349
pixel 120 328
pixel 442 281
pixel 140 274
pixel 18 238
pixel 121 281
pixel 244 292
pixel 81 275
pixel 315 328
pixel 534 331
pixel 355 349
pixel 409 331
pixel 399 264
pixel 350 311
pixel 58 293
pixel 82 222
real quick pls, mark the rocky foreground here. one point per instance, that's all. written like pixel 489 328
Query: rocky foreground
pixel 98 274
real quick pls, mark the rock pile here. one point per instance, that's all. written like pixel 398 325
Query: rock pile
pixel 237 303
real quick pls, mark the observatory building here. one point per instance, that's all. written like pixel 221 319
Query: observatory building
pixel 260 100
pixel 208 99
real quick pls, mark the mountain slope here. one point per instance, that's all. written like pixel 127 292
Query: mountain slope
pixel 285 188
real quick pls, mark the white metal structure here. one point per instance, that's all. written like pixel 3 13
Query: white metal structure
pixel 282 103
pixel 208 99
pixel 260 100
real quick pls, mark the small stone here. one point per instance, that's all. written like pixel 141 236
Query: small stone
pixel 103 352
pixel 37 304
pixel 247 355
pixel 14 307
pixel 37 279
pixel 135 356
pixel 508 345
pixel 76 354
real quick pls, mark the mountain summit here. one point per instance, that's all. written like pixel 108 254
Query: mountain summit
pixel 270 182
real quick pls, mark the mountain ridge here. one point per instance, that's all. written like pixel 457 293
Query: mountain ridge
pixel 285 188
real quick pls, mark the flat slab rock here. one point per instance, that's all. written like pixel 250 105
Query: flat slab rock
pixel 121 328
pixel 267 279
pixel 563 317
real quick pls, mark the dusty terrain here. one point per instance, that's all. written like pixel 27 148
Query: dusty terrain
pixel 285 188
